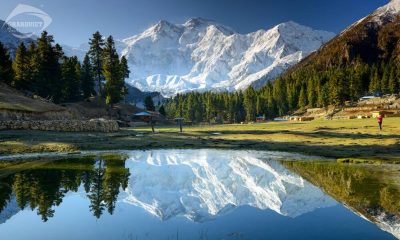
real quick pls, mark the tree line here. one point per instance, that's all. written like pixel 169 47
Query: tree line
pixel 306 88
pixel 43 69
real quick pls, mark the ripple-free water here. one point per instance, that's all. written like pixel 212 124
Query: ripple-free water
pixel 177 194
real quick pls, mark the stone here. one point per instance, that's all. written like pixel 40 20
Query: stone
pixel 93 125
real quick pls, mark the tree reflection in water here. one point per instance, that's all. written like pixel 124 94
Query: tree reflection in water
pixel 43 186
pixel 371 190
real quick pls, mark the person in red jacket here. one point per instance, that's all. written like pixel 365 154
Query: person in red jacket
pixel 380 120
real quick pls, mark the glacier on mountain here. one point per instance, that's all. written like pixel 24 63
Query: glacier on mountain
pixel 202 55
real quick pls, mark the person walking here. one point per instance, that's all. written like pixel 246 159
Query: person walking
pixel 380 121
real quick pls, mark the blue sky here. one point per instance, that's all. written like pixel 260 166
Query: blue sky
pixel 75 20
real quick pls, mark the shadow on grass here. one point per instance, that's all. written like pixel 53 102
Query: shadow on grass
pixel 318 133
pixel 127 140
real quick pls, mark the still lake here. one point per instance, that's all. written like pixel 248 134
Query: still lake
pixel 196 194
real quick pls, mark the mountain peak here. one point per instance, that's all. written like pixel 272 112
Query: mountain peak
pixel 292 26
pixel 202 55
pixel 163 24
pixel 199 22
pixel 288 23
pixel 393 7
pixel 196 21
pixel 293 32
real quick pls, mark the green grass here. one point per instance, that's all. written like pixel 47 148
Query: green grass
pixel 357 139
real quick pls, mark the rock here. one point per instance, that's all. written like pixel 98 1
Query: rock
pixel 93 125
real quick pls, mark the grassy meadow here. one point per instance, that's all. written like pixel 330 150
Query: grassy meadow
pixel 357 140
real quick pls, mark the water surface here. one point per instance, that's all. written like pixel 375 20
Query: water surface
pixel 196 194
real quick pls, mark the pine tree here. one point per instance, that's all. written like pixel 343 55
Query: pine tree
pixel 190 107
pixel 303 98
pixel 250 103
pixel 20 67
pixel 6 189
pixel 56 83
pixel 71 75
pixel 292 95
pixel 280 96
pixel 87 80
pixel 125 74
pixel 393 81
pixel 356 82
pixel 270 110
pixel 385 77
pixel 311 93
pixel 33 68
pixel 209 107
pixel 95 52
pixel 114 87
pixel 375 85
pixel 46 68
pixel 6 70
pixel 149 104
pixel 260 105
pixel 338 88
pixel 323 97
pixel 162 111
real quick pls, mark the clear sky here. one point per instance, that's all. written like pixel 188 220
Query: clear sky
pixel 75 20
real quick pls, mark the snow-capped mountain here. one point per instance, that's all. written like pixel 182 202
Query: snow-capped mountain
pixel 383 15
pixel 204 55
pixel 388 11
pixel 202 184
pixel 8 39
pixel 74 51
pixel 11 42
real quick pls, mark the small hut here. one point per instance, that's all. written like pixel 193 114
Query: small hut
pixel 144 116
pixel 147 117
pixel 260 119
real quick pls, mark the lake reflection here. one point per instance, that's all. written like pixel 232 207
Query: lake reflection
pixel 174 194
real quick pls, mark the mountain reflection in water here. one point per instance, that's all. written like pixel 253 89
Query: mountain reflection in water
pixel 198 190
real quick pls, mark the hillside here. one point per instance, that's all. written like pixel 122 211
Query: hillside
pixel 372 39
pixel 362 60
pixel 15 105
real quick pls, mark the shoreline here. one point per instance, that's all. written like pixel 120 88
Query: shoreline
pixel 348 141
